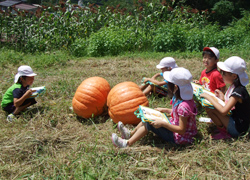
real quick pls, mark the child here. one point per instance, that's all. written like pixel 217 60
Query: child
pixel 211 78
pixel 16 98
pixel 183 124
pixel 166 64
pixel 236 98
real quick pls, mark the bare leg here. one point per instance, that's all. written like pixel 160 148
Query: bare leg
pixel 219 119
pixel 142 87
pixel 138 134
pixel 148 90
pixel 19 109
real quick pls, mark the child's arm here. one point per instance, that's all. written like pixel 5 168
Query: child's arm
pixel 156 75
pixel 164 110
pixel 181 129
pixel 19 101
pixel 222 109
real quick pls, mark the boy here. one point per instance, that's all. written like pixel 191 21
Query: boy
pixel 17 97
pixel 152 84
pixel 211 78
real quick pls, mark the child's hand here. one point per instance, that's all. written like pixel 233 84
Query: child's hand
pixel 196 81
pixel 204 95
pixel 218 93
pixel 157 123
pixel 160 109
pixel 29 93
pixel 146 79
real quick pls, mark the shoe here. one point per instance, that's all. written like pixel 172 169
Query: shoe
pixel 11 118
pixel 124 131
pixel 118 142
pixel 223 134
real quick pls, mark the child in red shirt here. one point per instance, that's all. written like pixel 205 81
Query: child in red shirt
pixel 211 78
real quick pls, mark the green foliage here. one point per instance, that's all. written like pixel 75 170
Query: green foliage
pixel 78 48
pixel 99 31
pixel 170 37
pixel 224 10
pixel 111 41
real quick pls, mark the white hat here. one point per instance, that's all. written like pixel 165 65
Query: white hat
pixel 214 50
pixel 167 62
pixel 237 66
pixel 24 71
pixel 181 77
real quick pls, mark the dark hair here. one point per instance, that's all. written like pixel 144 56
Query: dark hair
pixel 210 53
pixel 237 82
pixel 171 89
pixel 19 81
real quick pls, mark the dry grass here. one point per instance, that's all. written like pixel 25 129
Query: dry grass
pixel 51 142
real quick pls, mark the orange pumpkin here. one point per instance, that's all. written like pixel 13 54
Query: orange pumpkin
pixel 123 100
pixel 91 97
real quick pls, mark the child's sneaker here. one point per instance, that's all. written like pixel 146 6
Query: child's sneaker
pixel 223 134
pixel 11 118
pixel 118 142
pixel 124 131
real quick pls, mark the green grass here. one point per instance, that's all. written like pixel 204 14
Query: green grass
pixel 51 142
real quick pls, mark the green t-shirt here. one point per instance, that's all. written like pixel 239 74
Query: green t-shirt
pixel 8 96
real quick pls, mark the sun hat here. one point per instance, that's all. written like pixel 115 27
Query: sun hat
pixel 24 71
pixel 214 50
pixel 237 66
pixel 167 62
pixel 181 77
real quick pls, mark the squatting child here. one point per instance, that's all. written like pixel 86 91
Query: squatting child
pixel 17 97
pixel 183 124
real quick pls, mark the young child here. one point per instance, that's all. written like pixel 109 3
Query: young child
pixel 16 98
pixel 152 84
pixel 183 124
pixel 236 98
pixel 211 78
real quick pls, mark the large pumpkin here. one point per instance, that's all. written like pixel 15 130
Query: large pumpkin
pixel 123 100
pixel 91 97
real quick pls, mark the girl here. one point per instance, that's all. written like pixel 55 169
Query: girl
pixel 155 86
pixel 16 98
pixel 236 98
pixel 183 124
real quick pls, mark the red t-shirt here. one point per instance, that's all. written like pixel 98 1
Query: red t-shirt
pixel 211 80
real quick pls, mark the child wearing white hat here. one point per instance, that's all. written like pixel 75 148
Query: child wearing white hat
pixel 211 78
pixel 183 124
pixel 16 98
pixel 155 86
pixel 236 99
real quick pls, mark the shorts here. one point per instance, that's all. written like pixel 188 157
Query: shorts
pixel 162 132
pixel 10 108
pixel 231 129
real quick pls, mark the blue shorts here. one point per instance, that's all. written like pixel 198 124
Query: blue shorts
pixel 231 129
pixel 162 132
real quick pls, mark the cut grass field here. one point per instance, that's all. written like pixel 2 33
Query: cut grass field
pixel 51 142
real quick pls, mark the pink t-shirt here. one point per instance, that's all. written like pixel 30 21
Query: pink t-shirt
pixel 211 80
pixel 186 108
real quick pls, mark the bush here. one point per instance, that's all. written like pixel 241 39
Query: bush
pixel 170 37
pixel 111 41
pixel 79 48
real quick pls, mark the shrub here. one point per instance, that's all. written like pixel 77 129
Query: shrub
pixel 111 41
pixel 79 48
pixel 170 37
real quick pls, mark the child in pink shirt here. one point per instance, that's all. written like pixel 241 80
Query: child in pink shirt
pixel 183 124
